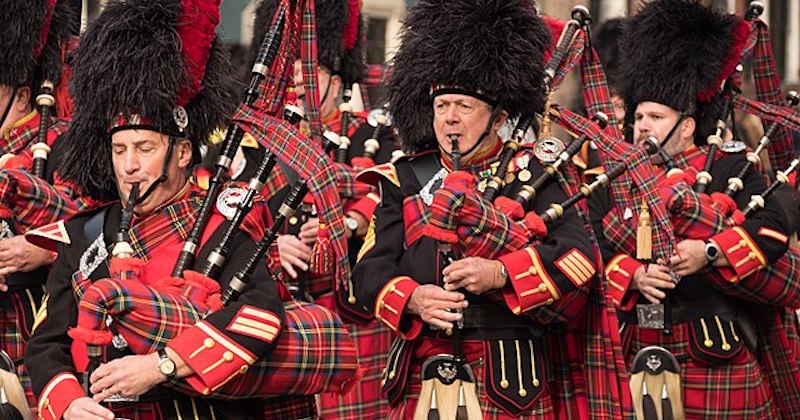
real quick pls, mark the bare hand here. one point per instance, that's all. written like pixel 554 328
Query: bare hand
pixel 651 279
pixel 436 306
pixel 475 274
pixel 85 408
pixel 127 376
pixel 308 232
pixel 294 254
pixel 19 255
pixel 689 258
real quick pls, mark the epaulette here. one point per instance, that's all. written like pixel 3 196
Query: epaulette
pixel 49 236
pixel 373 175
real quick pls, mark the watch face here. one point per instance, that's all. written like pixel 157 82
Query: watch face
pixel 167 367
pixel 711 252
pixel 351 223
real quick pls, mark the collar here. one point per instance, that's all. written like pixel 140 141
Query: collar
pixel 28 119
pixel 183 193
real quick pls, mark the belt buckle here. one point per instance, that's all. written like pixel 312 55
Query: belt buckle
pixel 650 316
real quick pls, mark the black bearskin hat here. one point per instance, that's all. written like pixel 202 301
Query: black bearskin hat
pixel 488 48
pixel 144 64
pixel 605 40
pixel 340 36
pixel 679 53
pixel 35 35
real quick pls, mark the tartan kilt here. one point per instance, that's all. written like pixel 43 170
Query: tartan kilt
pixel 473 351
pixel 363 401
pixel 735 390
pixel 15 330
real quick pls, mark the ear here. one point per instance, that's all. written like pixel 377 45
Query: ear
pixel 183 151
pixel 23 100
pixel 501 118
pixel 336 85
pixel 688 127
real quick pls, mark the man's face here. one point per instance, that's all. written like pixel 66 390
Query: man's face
pixel 138 157
pixel 466 117
pixel 655 119
pixel 331 84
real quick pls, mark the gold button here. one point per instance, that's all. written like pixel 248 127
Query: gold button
pixel 293 220
pixel 616 268
pixel 522 393
pixel 726 347
pixel 751 256
pixel 227 356
pixel 383 382
pixel 391 375
pixel 533 271
pixel 708 343
pixel 208 343
pixel 742 243
pixel 448 331
pixel 243 369
pixel 549 301
pixel 535 382
pixel 382 306
pixel 206 391
pixel 504 384
pixel 351 300
pixel 542 287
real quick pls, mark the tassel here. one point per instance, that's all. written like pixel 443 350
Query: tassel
pixel 644 235
pixel 433 413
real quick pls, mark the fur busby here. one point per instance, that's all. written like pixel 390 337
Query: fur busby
pixel 138 65
pixel 35 35
pixel 679 53
pixel 340 36
pixel 605 40
pixel 496 47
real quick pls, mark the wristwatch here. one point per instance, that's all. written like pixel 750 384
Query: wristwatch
pixel 351 224
pixel 165 365
pixel 712 251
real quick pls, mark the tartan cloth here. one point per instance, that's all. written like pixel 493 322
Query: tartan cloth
pixel 15 329
pixel 735 390
pixel 783 116
pixel 376 75
pixel 364 400
pixel 312 166
pixel 31 202
pixel 459 215
pixel 313 353
pixel 768 90
pixel 19 139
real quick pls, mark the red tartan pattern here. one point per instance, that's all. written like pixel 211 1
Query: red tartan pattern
pixel 308 161
pixel 13 343
pixel 734 390
pixel 783 116
pixel 779 350
pixel 31 202
pixel 364 401
pixel 20 138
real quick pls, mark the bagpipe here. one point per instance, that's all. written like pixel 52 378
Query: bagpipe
pixel 314 352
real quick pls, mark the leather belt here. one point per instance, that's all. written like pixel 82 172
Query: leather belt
pixel 690 310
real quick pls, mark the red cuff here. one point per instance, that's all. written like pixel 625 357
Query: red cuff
pixel 214 358
pixel 58 394
pixel 366 205
pixel 744 255
pixel 619 273
pixel 530 285
pixel 391 303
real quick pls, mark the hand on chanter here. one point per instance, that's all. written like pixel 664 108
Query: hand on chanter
pixel 651 280
pixel 436 306
pixel 474 274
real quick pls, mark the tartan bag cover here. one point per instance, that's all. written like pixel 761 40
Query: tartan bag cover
pixel 313 354
pixel 31 202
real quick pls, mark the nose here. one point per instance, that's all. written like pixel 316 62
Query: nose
pixel 131 164
pixel 451 116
